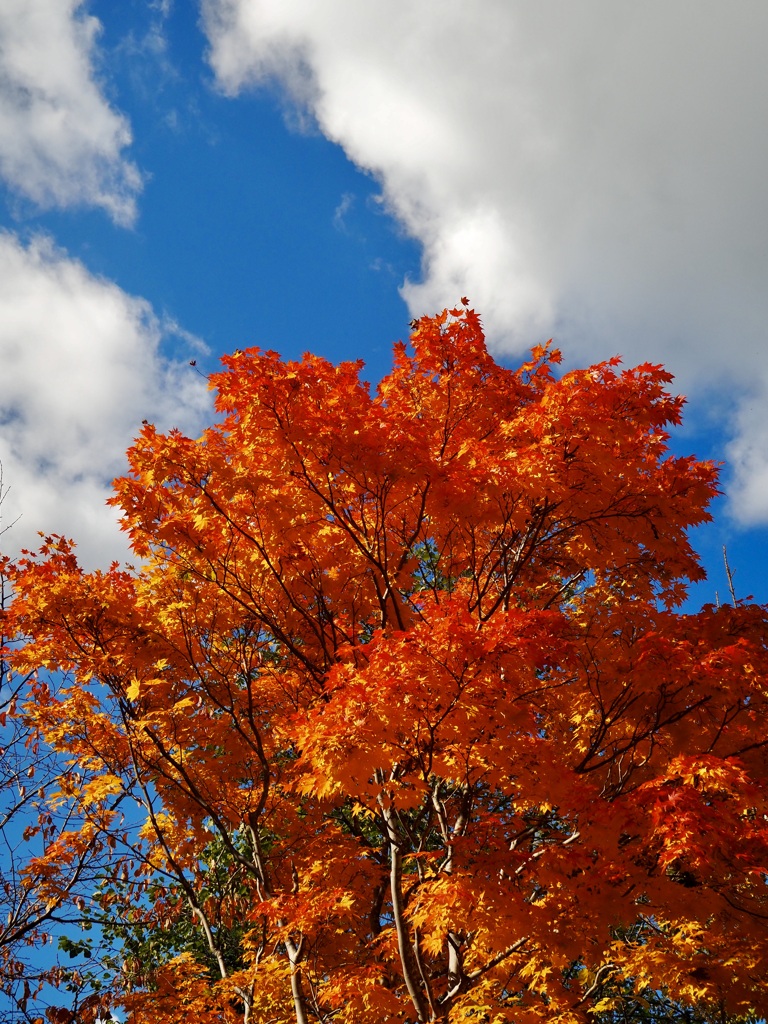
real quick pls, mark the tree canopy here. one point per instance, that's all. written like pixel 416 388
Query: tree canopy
pixel 397 717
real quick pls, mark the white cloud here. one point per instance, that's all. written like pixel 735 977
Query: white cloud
pixel 61 143
pixel 346 203
pixel 81 367
pixel 748 453
pixel 594 171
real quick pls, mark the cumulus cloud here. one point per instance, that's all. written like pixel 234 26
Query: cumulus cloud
pixel 592 171
pixel 61 143
pixel 81 367
pixel 748 453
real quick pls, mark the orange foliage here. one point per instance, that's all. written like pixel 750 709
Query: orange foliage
pixel 412 660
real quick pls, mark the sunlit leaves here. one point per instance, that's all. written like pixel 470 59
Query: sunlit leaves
pixel 401 703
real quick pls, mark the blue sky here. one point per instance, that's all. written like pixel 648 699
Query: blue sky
pixel 180 180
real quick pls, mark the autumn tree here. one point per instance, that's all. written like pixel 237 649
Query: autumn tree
pixel 47 865
pixel 403 696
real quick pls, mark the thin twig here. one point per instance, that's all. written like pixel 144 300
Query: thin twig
pixel 729 574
